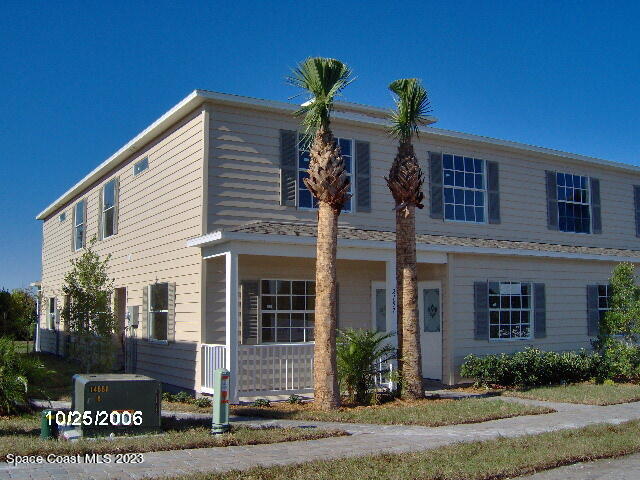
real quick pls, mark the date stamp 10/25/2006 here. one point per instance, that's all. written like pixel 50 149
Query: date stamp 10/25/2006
pixel 73 418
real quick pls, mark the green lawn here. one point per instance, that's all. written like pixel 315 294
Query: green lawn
pixel 21 435
pixel 430 413
pixel 586 393
pixel 493 459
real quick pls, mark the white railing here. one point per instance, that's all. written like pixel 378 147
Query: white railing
pixel 384 374
pixel 275 368
pixel 212 357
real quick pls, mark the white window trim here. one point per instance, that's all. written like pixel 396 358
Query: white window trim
pixel 260 311
pixel 608 288
pixel 590 204
pixel 484 190
pixel 377 285
pixel 51 316
pixel 76 225
pixel 149 312
pixel 351 177
pixel 103 224
pixel 531 313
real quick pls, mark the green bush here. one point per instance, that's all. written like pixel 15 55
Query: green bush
pixel 358 352
pixel 202 402
pixel 294 399
pixel 618 360
pixel 18 373
pixel 261 402
pixel 531 367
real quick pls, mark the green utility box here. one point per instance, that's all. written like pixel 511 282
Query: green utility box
pixel 115 403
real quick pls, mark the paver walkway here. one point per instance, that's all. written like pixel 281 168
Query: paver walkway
pixel 365 439
pixel 623 468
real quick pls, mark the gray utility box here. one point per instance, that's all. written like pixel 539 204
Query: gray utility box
pixel 116 393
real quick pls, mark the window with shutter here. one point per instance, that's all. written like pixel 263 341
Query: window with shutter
pixel 465 189
pixel 573 203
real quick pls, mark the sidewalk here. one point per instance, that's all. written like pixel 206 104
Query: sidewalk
pixel 365 439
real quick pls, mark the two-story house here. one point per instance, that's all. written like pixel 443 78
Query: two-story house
pixel 212 240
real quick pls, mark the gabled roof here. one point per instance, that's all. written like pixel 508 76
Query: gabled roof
pixel 304 233
pixel 353 112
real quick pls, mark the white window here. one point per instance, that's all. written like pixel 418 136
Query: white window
pixel 287 310
pixel 379 306
pixel 305 199
pixel 51 314
pixel 79 232
pixel 62 217
pixel 574 207
pixel 510 310
pixel 604 299
pixel 140 166
pixel 158 311
pixel 464 188
pixel 109 201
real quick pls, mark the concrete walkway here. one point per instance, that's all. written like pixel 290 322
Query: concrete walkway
pixel 365 439
pixel 623 468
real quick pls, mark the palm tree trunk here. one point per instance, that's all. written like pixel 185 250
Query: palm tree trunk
pixel 327 395
pixel 399 265
pixel 411 352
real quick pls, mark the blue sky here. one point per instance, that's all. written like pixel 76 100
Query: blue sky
pixel 79 79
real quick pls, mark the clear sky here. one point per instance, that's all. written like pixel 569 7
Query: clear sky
pixel 79 79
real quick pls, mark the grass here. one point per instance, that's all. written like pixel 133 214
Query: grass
pixel 21 435
pixel 430 413
pixel 493 459
pixel 585 393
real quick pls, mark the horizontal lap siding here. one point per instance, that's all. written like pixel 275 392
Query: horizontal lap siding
pixel 244 183
pixel 565 284
pixel 159 210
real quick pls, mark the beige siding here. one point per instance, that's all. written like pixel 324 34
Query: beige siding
pixel 566 300
pixel 159 210
pixel 244 183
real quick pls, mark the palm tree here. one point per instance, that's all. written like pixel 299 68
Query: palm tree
pixel 328 182
pixel 405 182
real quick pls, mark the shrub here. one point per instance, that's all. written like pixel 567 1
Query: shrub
pixel 261 402
pixel 617 360
pixel 358 352
pixel 530 367
pixel 202 402
pixel 183 397
pixel 18 373
pixel 294 399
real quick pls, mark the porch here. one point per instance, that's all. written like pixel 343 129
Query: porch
pixel 258 307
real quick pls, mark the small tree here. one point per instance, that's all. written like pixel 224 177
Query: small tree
pixel 5 312
pixel 623 317
pixel 358 353
pixel 23 312
pixel 87 312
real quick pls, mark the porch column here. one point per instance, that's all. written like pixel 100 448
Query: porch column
pixel 392 322
pixel 231 325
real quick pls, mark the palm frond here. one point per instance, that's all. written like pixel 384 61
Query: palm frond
pixel 412 107
pixel 323 79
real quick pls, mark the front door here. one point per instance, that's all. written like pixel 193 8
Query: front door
pixel 430 320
